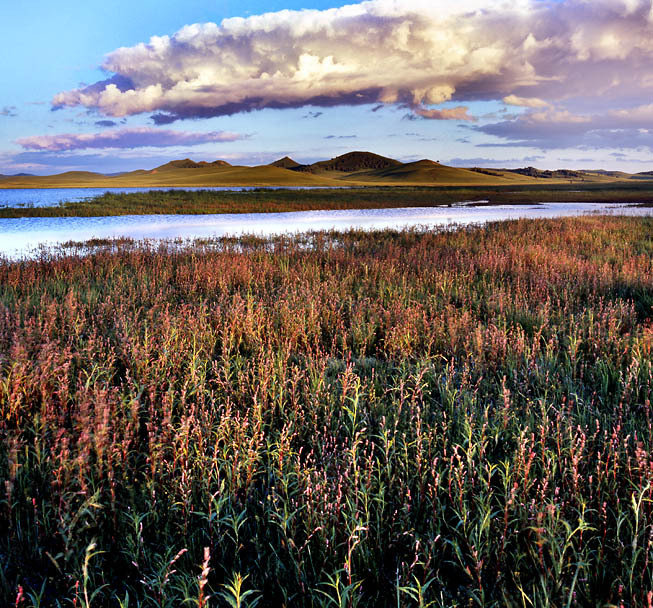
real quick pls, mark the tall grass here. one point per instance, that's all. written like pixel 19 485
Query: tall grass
pixel 335 419
pixel 262 200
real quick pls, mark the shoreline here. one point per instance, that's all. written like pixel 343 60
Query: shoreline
pixel 260 200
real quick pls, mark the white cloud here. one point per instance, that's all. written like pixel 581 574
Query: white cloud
pixel 558 128
pixel 411 52
pixel 138 137
pixel 525 102
pixel 457 113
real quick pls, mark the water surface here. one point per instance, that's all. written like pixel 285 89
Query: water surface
pixel 22 236
pixel 51 197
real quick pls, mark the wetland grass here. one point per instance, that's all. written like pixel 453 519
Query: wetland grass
pixel 265 200
pixel 410 418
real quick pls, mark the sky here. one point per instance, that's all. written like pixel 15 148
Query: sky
pixel 122 85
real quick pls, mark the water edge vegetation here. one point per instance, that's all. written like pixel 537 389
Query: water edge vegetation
pixel 389 418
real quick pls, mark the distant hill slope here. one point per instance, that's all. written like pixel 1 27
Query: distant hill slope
pixel 169 175
pixel 642 175
pixel 559 174
pixel 605 173
pixel 187 163
pixel 351 169
pixel 285 163
pixel 429 172
pixel 351 162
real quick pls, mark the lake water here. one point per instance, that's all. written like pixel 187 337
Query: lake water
pixel 51 197
pixel 21 237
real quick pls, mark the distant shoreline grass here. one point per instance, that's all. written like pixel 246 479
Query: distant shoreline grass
pixel 270 201
pixel 358 419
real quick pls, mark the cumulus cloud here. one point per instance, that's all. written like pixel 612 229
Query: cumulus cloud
pixel 138 137
pixel 546 57
pixel 413 52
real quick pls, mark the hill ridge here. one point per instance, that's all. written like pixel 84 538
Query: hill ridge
pixel 351 162
pixel 356 168
pixel 285 163
pixel 187 163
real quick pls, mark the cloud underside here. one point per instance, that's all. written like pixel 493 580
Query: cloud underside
pixel 128 138
pixel 413 52
pixel 545 57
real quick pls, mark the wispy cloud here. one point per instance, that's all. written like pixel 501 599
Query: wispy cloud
pixel 458 113
pixel 555 128
pixel 493 162
pixel 416 53
pixel 525 102
pixel 9 111
pixel 139 137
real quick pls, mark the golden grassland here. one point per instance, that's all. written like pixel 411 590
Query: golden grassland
pixel 418 173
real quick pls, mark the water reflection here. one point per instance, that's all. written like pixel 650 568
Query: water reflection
pixel 51 197
pixel 19 236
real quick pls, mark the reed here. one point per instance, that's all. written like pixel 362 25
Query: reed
pixel 390 418
pixel 266 200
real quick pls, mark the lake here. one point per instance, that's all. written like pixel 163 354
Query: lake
pixel 51 197
pixel 21 237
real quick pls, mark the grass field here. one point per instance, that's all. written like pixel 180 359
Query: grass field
pixel 346 171
pixel 262 200
pixel 353 168
pixel 410 418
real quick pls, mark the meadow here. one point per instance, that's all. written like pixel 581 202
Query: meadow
pixel 396 418
pixel 264 200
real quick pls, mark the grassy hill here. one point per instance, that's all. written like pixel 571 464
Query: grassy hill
pixel 169 175
pixel 351 169
pixel 285 163
pixel 425 172
pixel 352 162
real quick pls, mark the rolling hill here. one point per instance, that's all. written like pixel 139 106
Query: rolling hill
pixel 285 163
pixel 352 162
pixel 424 172
pixel 352 169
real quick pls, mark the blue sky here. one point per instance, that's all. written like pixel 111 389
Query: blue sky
pixel 483 83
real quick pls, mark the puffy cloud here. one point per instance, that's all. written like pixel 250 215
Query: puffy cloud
pixel 138 137
pixel 412 52
pixel 546 57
